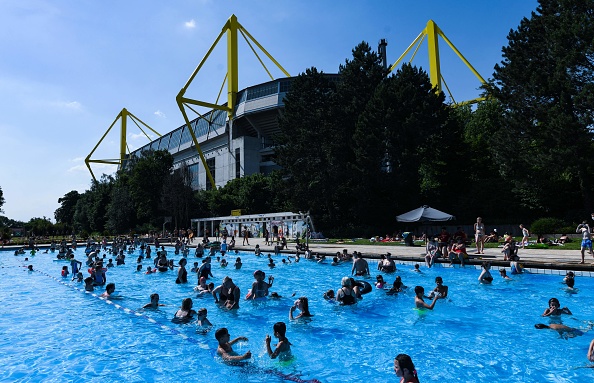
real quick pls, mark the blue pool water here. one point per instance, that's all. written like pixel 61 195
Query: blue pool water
pixel 52 332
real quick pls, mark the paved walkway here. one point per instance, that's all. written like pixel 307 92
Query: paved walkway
pixel 556 258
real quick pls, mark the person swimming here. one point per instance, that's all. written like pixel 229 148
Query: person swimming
pixel 486 276
pixel 554 309
pixel 283 348
pixel 564 331
pixel 346 295
pixel 185 312
pixel 405 369
pixel 301 304
pixel 225 349
pixel 440 290
pixel 420 303
pixel 154 303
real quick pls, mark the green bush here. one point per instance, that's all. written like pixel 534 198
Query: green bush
pixel 567 230
pixel 547 226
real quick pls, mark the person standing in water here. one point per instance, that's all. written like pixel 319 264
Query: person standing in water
pixel 405 369
pixel 283 348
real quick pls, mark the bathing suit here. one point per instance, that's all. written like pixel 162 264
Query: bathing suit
pixel 346 299
pixel 204 271
pixel 260 293
pixel 99 278
pixel 229 298
pixel 74 265
pixel 480 230
pixel 183 278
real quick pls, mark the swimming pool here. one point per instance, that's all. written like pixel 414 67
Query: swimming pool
pixel 52 332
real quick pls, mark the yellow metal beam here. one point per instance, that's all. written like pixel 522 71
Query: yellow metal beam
pixel 432 32
pixel 232 78
pixel 123 116
pixel 433 44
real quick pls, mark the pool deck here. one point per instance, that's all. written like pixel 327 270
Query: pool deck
pixel 546 259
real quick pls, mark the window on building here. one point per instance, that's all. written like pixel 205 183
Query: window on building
pixel 195 180
pixel 211 166
pixel 238 163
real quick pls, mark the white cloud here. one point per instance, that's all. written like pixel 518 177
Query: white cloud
pixel 190 24
pixel 159 113
pixel 72 105
pixel 98 168
pixel 77 159
pixel 140 135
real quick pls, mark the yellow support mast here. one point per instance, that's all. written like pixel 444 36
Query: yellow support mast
pixel 123 115
pixel 432 32
pixel 231 27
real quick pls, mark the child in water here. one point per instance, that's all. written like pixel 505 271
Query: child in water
pixel 379 282
pixel 486 276
pixel 89 284
pixel 420 303
pixel 203 323
pixel 283 348
pixel 65 271
pixel 225 349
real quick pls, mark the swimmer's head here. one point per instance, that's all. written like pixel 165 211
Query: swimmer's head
pixel 554 302
pixel 221 333
pixel 502 272
pixel 30 268
pixel 202 312
pixel 346 282
pixel 329 294
pixel 187 304
pixel 417 266
pixel 419 290
pixel 438 280
pixel 541 326
pixel 155 297
pixel 379 278
pixel 570 282
pixel 404 362
pixel 280 328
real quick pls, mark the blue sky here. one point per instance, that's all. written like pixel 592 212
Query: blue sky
pixel 69 67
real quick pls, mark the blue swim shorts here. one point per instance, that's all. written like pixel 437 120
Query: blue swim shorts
pixel 587 244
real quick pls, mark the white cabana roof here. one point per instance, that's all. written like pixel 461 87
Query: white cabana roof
pixel 424 213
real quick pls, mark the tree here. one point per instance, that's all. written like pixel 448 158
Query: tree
pixel 39 226
pixel 145 180
pixel 1 200
pixel 120 211
pixel 398 134
pixel 545 85
pixel 176 196
pixel 65 213
pixel 91 208
pixel 305 143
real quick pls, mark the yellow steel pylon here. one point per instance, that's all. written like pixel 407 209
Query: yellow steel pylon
pixel 432 33
pixel 124 150
pixel 231 27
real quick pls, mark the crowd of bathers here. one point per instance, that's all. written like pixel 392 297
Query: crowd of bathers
pixel 228 294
